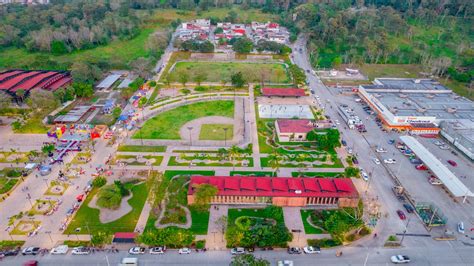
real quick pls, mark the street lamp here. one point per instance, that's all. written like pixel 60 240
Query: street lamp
pixel 225 136
pixel 405 231
pixel 190 139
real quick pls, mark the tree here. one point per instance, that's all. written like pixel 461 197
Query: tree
pixel 116 112
pixel 237 80
pixel 234 154
pixel 200 77
pixel 248 260
pixel 84 72
pixel 42 100
pixel 83 90
pixel 274 160
pixel 351 171
pixel 153 183
pixel 48 148
pixel 183 77
pixel 243 46
pixel 5 100
pixel 142 66
pixel 203 195
pixel 221 222
pixel 142 102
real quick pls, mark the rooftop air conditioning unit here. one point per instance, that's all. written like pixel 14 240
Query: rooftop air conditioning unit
pixel 417 81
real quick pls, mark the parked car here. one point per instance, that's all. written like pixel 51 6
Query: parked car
pixel 364 176
pixel 376 161
pixel 392 141
pixel 399 259
pixel 31 263
pixel 285 263
pixel 421 167
pixel 184 251
pixel 129 261
pixel 454 153
pixel 354 160
pixel 349 150
pixel 60 250
pixel 311 250
pixel 157 250
pixel 380 150
pixel 389 161
pixel 30 251
pixel 237 251
pixel 136 250
pixel 10 252
pixel 294 250
pixel 453 163
pixel 438 143
pixel 444 147
pixel 344 143
pixel 401 215
pixel 461 227
pixel 415 161
pixel 81 251
pixel 409 208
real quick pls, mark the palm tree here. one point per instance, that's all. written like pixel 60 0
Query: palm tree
pixel 234 153
pixel 300 158
pixel 274 160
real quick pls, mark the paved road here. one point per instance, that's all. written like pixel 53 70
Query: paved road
pixel 351 256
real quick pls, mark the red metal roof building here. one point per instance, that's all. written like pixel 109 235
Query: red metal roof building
pixel 293 129
pixel 13 80
pixel 283 92
pixel 280 191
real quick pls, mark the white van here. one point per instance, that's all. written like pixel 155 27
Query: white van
pixel 129 261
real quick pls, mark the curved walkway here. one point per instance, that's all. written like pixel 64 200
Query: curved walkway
pixel 163 210
pixel 108 215
pixel 196 124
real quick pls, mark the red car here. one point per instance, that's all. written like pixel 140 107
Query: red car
pixel 453 163
pixel 401 214
pixel 421 167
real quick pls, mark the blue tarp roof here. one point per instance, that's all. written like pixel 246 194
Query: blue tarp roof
pixel 123 117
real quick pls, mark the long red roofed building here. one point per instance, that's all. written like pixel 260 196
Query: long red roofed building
pixel 14 80
pixel 279 191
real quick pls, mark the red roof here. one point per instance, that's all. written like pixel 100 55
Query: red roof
pixel 278 186
pixel 242 31
pixel 27 80
pixel 283 92
pixel 294 125
pixel 125 235
pixel 273 25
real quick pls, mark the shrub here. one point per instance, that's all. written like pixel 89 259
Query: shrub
pixel 100 238
pixel 13 173
pixel 200 244
pixel 324 243
pixel 99 181
pixel 392 238
pixel 201 88
pixel 171 237
pixel 109 197
pixel 123 191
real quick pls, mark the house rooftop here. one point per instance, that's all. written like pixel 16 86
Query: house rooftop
pixel 294 125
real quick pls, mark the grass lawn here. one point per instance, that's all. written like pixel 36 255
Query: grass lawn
pixel 251 173
pixel 32 126
pixel 166 125
pixel 235 213
pixel 309 229
pixel 87 217
pixel 7 244
pixel 200 221
pixel 373 71
pixel 138 148
pixel 7 184
pixel 216 132
pixel 217 71
pixel 317 174
pixel 173 162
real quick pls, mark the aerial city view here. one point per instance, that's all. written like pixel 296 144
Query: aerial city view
pixel 244 132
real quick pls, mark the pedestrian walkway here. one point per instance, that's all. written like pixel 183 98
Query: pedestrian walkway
pixel 215 239
pixel 295 224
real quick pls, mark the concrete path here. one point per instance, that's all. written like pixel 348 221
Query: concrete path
pixel 215 239
pixel 293 222
pixel 108 215
pixel 253 128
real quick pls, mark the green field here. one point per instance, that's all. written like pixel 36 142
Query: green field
pixel 88 218
pixel 260 213
pixel 216 72
pixel 166 125
pixel 216 132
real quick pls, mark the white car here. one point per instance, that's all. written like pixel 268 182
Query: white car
pixel 349 150
pixel 389 161
pixel 184 251
pixel 285 263
pixel 380 150
pixel 60 250
pixel 461 227
pixel 444 147
pixel 136 250
pixel 81 251
pixel 337 122
pixel 376 161
pixel 157 250
pixel 364 176
pixel 237 251
pixel 311 250
pixel 398 259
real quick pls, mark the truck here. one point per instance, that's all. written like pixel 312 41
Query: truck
pixel 399 192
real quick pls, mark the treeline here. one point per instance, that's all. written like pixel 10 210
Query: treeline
pixel 64 26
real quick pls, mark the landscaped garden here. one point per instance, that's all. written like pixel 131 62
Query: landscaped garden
pixel 218 71
pixel 216 132
pixel 137 159
pixel 344 224
pixel 251 173
pixel 138 148
pixel 167 125
pixel 87 218
pixel 234 156
pixel 317 174
pixel 257 228
pixel 9 177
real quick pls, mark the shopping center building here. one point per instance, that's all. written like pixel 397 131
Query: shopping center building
pixel 415 105
pixel 279 191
